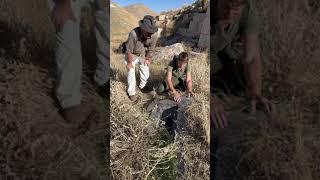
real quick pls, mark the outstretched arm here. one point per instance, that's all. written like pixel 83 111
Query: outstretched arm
pixel 189 84
pixel 252 65
pixel 176 95
pixel 252 69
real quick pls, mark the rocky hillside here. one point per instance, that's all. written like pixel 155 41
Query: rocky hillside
pixel 190 24
pixel 121 22
pixel 139 10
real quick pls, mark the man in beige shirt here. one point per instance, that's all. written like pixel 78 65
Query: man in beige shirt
pixel 139 46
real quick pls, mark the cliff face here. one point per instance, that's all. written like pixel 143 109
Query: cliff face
pixel 190 23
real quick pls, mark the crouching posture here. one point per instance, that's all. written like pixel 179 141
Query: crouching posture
pixel 178 77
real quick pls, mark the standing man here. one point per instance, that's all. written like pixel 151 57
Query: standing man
pixel 139 46
pixel 66 18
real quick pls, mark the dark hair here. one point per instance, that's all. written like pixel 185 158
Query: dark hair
pixel 182 56
pixel 232 3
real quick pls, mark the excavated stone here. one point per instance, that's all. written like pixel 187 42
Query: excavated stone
pixel 170 112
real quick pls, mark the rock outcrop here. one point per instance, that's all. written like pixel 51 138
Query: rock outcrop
pixel 191 22
pixel 168 52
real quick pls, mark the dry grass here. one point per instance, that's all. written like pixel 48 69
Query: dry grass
pixel 34 134
pixel 289 42
pixel 19 14
pixel 37 142
pixel 139 150
pixel 287 146
pixel 134 154
pixel 31 23
pixel 141 145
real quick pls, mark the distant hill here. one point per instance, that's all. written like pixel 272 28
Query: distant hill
pixel 121 22
pixel 140 10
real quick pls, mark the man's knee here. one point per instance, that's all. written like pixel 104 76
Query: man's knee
pixel 161 88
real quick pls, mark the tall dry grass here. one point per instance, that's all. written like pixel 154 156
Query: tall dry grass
pixel 136 138
pixel 289 40
pixel 287 146
pixel 146 151
pixel 36 139
pixel 28 18
pixel 31 24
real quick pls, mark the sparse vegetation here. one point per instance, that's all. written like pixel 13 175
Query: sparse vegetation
pixel 36 141
pixel 287 145
pixel 286 148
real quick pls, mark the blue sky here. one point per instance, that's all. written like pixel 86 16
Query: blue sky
pixel 156 5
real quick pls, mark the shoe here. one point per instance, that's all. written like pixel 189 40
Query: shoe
pixel 73 115
pixel 146 89
pixel 135 99
pixel 104 90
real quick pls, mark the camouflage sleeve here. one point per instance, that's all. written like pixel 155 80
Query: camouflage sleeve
pixel 251 21
pixel 131 42
pixel 219 40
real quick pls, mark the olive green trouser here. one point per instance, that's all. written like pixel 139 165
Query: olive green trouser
pixel 68 51
pixel 178 83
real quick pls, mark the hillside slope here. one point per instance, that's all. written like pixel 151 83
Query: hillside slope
pixel 121 22
pixel 139 10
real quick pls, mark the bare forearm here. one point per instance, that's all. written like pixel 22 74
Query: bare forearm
pixel 253 76
pixel 189 86
pixel 148 55
pixel 171 87
pixel 252 62
pixel 129 55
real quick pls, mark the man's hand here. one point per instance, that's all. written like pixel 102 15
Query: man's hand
pixel 217 114
pixel 176 97
pixel 147 62
pixel 129 65
pixel 191 94
pixel 62 12
pixel 256 100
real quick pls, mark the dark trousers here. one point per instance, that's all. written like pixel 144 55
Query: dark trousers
pixel 230 78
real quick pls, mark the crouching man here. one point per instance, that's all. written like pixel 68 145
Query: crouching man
pixel 178 77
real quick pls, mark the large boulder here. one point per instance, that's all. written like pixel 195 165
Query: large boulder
pixel 204 39
pixel 171 113
pixel 168 52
